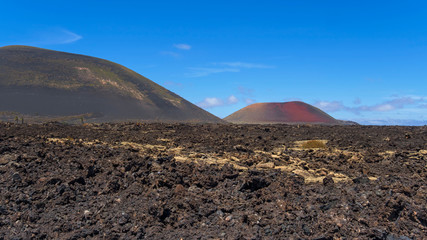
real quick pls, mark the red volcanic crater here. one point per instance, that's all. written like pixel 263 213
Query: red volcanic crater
pixel 287 112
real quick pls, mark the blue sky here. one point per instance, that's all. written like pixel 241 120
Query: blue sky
pixel 357 60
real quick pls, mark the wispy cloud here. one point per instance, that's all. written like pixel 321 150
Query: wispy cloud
pixel 402 106
pixel 201 72
pixel 244 65
pixel 223 67
pixel 396 103
pixel 211 102
pixel 169 53
pixel 245 91
pixel 51 36
pixel 357 101
pixel 70 37
pixel 386 106
pixel 401 122
pixel 330 106
pixel 247 95
pixel 182 46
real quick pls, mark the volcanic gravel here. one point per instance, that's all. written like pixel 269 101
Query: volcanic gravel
pixel 166 181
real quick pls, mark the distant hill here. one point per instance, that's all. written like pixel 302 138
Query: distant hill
pixel 286 112
pixel 35 81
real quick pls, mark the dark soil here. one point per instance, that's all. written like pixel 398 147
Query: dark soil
pixel 173 181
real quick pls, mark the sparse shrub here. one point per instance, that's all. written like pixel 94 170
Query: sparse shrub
pixel 313 144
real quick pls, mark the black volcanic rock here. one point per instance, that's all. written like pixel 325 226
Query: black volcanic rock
pixel 40 82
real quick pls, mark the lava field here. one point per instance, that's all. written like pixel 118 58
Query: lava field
pixel 212 181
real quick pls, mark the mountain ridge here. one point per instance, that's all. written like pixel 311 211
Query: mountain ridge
pixel 282 112
pixel 62 81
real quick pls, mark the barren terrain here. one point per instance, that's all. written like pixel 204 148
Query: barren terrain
pixel 213 181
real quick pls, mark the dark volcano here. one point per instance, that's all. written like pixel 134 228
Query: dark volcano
pixel 42 82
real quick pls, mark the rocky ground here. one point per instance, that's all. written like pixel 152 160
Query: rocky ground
pixel 183 181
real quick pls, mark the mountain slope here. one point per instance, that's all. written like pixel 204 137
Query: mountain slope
pixel 287 112
pixel 45 82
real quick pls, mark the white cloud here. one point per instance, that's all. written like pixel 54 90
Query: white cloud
pixel 201 72
pixel 211 102
pixel 50 36
pixel 408 107
pixel 232 99
pixel 330 106
pixel 182 46
pixel 390 105
pixel 70 37
pixel 395 103
pixel 382 108
pixel 224 67
pixel 247 94
pixel 401 122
